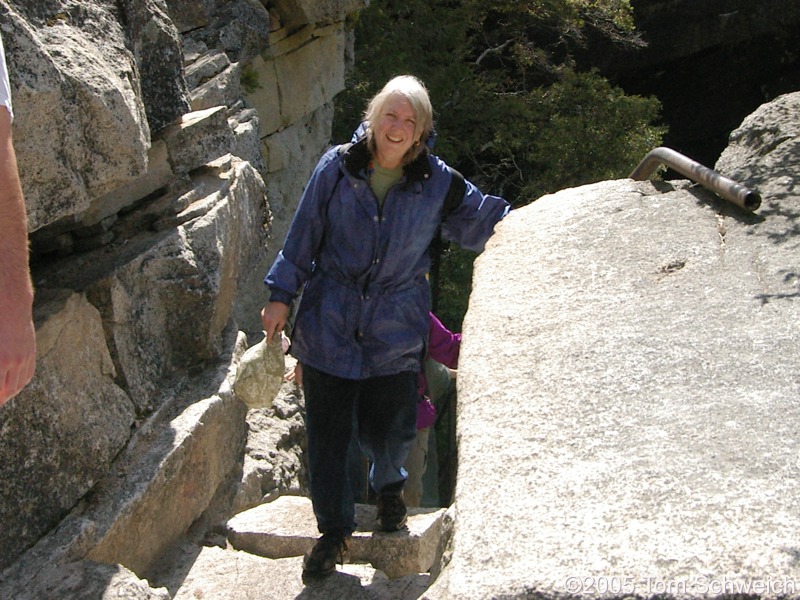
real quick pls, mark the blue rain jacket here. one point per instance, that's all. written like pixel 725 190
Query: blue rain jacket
pixel 363 270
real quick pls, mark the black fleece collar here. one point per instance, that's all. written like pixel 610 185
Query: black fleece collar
pixel 357 158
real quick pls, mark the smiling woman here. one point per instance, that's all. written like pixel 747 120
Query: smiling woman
pixel 358 250
pixel 394 132
pixel 401 118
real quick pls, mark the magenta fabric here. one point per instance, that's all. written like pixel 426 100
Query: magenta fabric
pixel 426 413
pixel 443 344
pixel 443 347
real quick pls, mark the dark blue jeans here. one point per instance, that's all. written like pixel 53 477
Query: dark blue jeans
pixel 385 411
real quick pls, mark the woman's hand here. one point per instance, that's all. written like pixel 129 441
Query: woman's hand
pixel 273 318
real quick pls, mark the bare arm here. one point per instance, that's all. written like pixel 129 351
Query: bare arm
pixel 17 333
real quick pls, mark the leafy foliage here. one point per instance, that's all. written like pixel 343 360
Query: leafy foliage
pixel 514 115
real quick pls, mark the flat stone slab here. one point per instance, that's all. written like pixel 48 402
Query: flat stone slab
pixel 287 527
pixel 220 574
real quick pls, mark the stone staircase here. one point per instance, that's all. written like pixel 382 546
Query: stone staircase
pixel 258 555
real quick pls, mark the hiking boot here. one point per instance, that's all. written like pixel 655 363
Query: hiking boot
pixel 321 560
pixel 391 512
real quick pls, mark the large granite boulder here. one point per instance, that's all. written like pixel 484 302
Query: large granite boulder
pixel 157 48
pixel 175 473
pixel 239 27
pixel 166 296
pixel 80 128
pixel 158 309
pixel 188 15
pixel 764 152
pixel 60 435
pixel 638 434
pixel 90 84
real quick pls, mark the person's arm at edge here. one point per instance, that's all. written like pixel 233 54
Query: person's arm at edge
pixel 444 346
pixel 17 332
pixel 472 223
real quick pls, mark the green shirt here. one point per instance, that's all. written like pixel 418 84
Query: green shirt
pixel 381 180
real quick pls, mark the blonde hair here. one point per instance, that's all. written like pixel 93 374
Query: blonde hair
pixel 413 90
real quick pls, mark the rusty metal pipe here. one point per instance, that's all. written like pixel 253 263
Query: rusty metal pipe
pixel 719 184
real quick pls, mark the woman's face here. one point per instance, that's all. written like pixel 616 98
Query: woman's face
pixel 395 131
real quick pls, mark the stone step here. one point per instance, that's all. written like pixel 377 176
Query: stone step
pixel 286 527
pixel 221 574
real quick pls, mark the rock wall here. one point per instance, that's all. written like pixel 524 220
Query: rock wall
pixel 162 146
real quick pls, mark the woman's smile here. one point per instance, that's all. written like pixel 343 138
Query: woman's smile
pixel 395 131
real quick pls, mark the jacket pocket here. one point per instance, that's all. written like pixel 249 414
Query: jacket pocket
pixel 399 325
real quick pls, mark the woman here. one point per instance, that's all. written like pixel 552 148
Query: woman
pixel 357 248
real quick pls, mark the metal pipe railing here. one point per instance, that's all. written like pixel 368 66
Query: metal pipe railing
pixel 719 184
